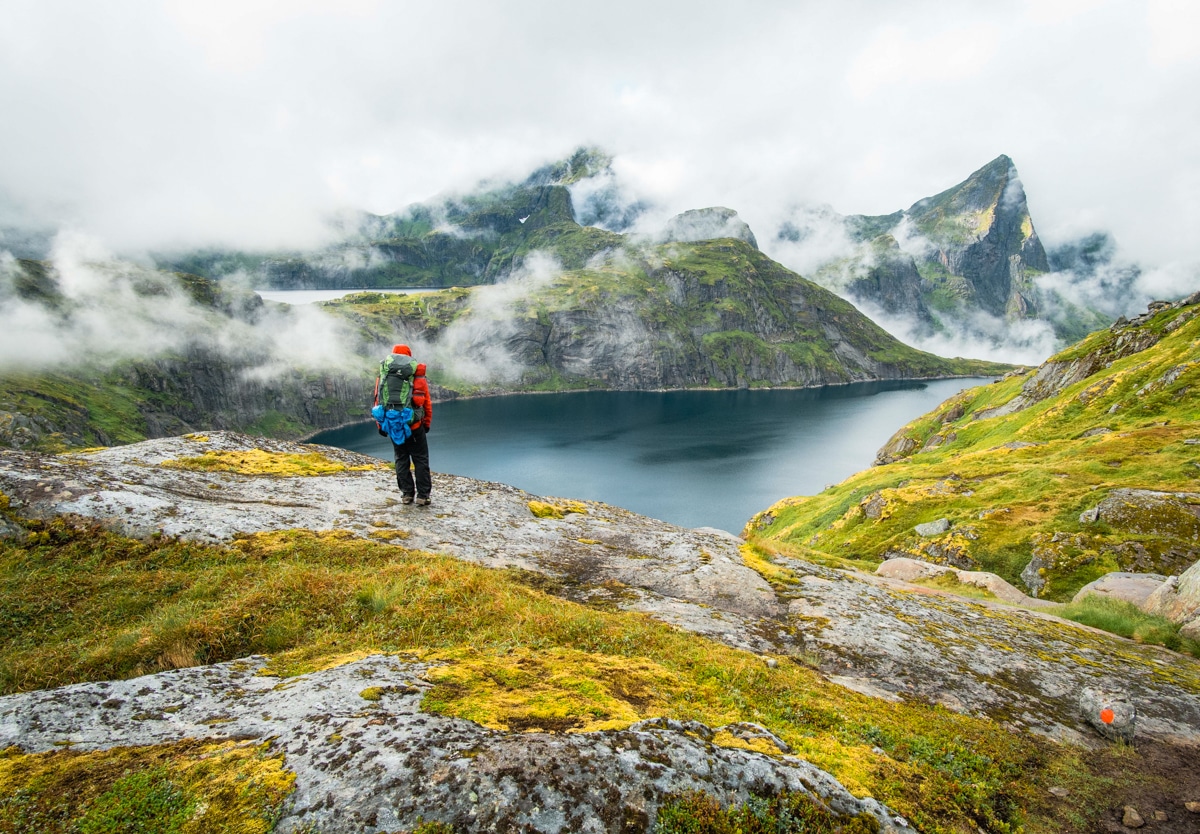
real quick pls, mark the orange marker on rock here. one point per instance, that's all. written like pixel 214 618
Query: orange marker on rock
pixel 1107 716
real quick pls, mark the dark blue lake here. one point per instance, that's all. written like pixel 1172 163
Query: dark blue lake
pixel 694 458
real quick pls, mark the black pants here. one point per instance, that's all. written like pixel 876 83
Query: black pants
pixel 416 451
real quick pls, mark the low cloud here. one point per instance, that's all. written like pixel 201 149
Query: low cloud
pixel 806 237
pixel 978 336
pixel 476 348
pixel 109 311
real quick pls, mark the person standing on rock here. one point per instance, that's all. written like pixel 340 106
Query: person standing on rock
pixel 403 410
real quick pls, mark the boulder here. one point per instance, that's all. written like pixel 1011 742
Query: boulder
pixel 914 570
pixel 933 528
pixel 1178 598
pixel 1111 713
pixel 1125 586
pixel 1149 512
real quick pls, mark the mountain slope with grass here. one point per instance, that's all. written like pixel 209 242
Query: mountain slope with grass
pixel 713 313
pixel 1050 478
pixel 121 352
pixel 217 609
pixel 135 352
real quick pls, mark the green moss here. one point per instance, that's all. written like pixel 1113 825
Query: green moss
pixel 543 509
pixel 788 813
pixel 259 462
pixel 189 787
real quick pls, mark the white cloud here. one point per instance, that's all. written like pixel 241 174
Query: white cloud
pixel 245 123
pixel 1174 32
pixel 896 59
pixel 112 310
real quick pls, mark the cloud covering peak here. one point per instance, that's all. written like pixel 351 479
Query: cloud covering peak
pixel 170 124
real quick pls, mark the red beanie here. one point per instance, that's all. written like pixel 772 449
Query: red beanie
pixel 401 349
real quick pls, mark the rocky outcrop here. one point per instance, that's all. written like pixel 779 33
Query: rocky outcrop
pixel 707 224
pixel 1133 588
pixel 889 638
pixel 874 634
pixel 1125 338
pixel 1178 599
pixel 384 764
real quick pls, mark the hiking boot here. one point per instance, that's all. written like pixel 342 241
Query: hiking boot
pixel 423 500
pixel 406 498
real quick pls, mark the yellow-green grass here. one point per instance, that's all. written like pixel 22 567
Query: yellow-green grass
pixel 190 787
pixel 545 509
pixel 83 604
pixel 1004 501
pixel 259 462
pixel 1127 620
pixel 791 813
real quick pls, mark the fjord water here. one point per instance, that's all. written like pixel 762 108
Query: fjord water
pixel 693 458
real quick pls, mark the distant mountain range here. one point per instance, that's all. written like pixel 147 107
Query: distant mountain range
pixel 963 268
pixel 957 261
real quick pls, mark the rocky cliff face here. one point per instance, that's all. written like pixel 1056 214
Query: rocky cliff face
pixel 968 250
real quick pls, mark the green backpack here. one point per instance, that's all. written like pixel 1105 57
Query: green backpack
pixel 396 374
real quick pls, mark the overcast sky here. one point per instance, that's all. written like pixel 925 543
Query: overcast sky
pixel 169 123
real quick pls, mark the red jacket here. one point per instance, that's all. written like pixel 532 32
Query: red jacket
pixel 421 398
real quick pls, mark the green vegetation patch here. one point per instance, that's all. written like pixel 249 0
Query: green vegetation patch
pixel 259 462
pixel 1015 486
pixel 545 509
pixel 790 813
pixel 79 411
pixel 191 787
pixel 79 603
pixel 1127 620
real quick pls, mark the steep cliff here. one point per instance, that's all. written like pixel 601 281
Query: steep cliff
pixel 970 249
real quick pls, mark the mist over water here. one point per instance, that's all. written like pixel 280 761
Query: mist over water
pixel 693 458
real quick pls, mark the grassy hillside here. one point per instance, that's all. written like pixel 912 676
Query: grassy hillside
pixel 712 313
pixel 1029 470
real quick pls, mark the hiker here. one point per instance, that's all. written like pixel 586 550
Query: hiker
pixel 403 411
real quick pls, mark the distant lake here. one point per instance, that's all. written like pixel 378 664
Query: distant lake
pixel 313 296
pixel 693 458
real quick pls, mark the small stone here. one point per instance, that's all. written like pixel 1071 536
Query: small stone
pixel 771 662
pixel 1131 818
pixel 1194 807
pixel 1060 792
pixel 1161 816
pixel 933 528
pixel 1090 516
